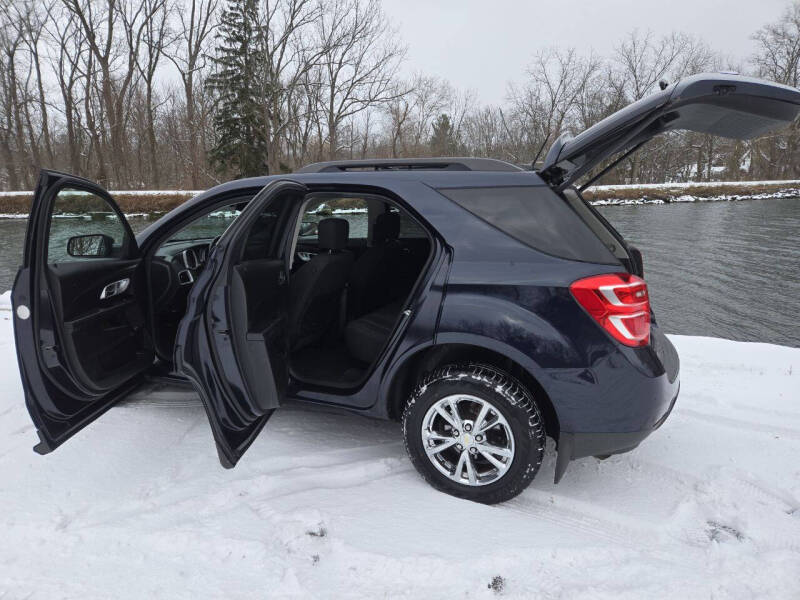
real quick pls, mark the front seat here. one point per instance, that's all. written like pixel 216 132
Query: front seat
pixel 370 280
pixel 316 289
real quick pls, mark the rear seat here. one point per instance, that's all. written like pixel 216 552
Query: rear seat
pixel 366 336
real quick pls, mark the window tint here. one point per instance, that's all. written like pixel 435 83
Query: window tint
pixel 602 229
pixel 408 226
pixel 346 207
pixel 537 217
pixel 263 239
pixel 211 225
pixel 81 213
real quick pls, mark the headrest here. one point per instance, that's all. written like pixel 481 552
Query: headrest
pixel 386 228
pixel 333 233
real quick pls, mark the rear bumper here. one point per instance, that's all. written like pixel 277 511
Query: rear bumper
pixel 580 445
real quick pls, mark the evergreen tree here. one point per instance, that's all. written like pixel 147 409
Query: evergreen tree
pixel 239 120
pixel 443 141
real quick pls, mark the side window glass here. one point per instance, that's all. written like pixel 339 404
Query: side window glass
pixel 83 226
pixel 408 226
pixel 350 208
pixel 262 240
pixel 210 225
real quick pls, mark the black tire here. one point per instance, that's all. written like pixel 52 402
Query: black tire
pixel 509 397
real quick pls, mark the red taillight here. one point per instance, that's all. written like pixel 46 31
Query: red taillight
pixel 619 303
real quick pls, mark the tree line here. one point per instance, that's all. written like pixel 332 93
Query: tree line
pixel 160 94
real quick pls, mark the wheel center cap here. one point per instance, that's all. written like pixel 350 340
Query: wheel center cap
pixel 467 439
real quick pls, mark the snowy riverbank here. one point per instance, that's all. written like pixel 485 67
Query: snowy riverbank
pixel 712 191
pixel 328 506
pixel 15 205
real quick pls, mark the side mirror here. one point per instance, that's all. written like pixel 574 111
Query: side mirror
pixel 90 246
pixel 308 228
pixel 637 260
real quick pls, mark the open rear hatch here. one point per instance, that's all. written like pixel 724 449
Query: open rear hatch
pixel 727 105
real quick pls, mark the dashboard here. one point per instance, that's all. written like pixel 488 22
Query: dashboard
pixel 176 264
pixel 173 269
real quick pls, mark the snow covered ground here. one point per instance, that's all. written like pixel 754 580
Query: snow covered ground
pixel 327 506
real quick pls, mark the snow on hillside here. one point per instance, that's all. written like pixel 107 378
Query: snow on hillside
pixel 328 506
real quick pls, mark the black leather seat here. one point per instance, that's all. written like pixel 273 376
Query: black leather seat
pixel 366 336
pixel 317 287
pixel 372 279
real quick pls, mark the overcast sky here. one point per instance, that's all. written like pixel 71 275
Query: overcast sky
pixel 484 44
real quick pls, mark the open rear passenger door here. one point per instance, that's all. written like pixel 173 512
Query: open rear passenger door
pixel 720 104
pixel 233 341
pixel 79 308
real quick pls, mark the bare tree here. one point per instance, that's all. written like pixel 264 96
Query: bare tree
pixel 154 38
pixel 289 54
pixel 302 120
pixel 114 30
pixel 639 63
pixel 66 66
pixel 641 60
pixel 196 24
pixel 360 56
pixel 398 110
pixel 32 17
pixel 430 97
pixel 547 102
pixel 85 87
pixel 777 57
pixel 12 132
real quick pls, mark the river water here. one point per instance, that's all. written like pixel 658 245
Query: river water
pixel 729 270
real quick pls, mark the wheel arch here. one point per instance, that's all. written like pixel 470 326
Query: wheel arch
pixel 401 382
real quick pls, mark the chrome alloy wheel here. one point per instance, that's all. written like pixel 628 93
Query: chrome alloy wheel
pixel 468 440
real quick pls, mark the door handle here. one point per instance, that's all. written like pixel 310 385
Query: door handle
pixel 115 289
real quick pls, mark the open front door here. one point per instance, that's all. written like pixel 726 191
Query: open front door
pixel 78 301
pixel 233 342
pixel 721 104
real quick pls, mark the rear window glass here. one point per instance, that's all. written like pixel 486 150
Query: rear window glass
pixel 537 217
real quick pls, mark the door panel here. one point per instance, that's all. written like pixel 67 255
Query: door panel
pixel 259 294
pixel 233 343
pixel 79 349
pixel 104 338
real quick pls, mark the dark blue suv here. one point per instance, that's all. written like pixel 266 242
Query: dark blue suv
pixel 483 306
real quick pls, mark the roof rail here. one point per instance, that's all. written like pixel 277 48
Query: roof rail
pixel 410 164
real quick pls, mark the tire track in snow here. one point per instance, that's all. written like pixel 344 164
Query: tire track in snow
pixel 757 495
pixel 580 521
pixel 600 524
pixel 327 471
pixel 734 423
pixel 768 503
